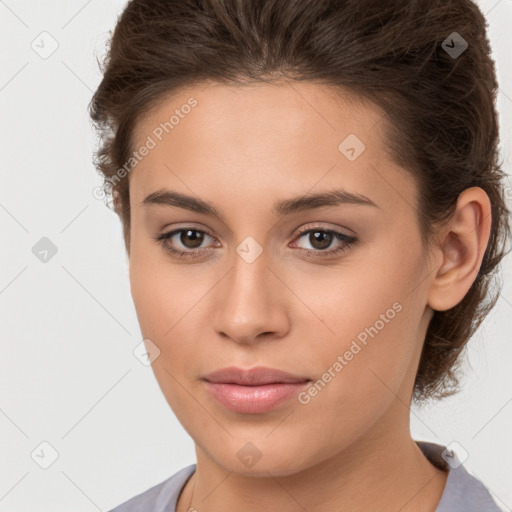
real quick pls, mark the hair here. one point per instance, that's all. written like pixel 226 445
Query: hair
pixel 440 120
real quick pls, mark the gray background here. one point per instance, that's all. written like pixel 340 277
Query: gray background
pixel 68 374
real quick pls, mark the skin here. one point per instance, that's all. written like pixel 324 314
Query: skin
pixel 242 148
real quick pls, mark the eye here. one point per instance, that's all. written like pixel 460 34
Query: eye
pixel 190 239
pixel 321 239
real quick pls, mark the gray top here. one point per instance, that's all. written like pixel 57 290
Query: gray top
pixel 463 492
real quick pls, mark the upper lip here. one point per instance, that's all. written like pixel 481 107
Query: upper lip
pixel 252 377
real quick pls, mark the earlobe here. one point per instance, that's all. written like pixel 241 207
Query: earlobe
pixel 117 202
pixel 462 245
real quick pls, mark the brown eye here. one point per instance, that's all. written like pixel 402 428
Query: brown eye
pixel 191 238
pixel 320 239
pixel 185 242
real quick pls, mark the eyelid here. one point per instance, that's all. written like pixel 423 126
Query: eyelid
pixel 165 235
pixel 323 227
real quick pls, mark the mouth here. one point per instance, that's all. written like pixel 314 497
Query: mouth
pixel 257 376
pixel 256 390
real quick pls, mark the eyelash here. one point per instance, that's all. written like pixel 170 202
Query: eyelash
pixel 349 241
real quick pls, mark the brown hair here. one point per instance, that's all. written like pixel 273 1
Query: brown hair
pixel 441 124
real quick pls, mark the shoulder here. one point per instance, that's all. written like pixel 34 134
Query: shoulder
pixel 462 491
pixel 161 497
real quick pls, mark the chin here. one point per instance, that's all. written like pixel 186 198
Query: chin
pixel 261 458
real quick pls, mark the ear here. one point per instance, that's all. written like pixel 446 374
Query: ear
pixel 117 202
pixel 460 249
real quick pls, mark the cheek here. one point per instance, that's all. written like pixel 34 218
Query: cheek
pixel 362 371
pixel 159 289
pixel 163 304
pixel 362 294
pixel 169 301
pixel 164 309
pixel 373 317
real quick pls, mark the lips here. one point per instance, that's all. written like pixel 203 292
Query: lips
pixel 257 376
pixel 255 390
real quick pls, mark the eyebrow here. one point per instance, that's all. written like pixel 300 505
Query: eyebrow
pixel 284 207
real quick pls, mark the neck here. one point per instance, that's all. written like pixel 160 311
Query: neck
pixel 385 472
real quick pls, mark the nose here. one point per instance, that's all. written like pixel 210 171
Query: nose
pixel 251 303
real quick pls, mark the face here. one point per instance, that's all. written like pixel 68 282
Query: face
pixel 331 290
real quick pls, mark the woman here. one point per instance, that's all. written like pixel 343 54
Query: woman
pixel 313 211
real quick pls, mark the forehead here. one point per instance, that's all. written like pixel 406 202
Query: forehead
pixel 290 109
pixel 292 136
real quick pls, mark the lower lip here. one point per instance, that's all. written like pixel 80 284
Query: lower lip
pixel 253 399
